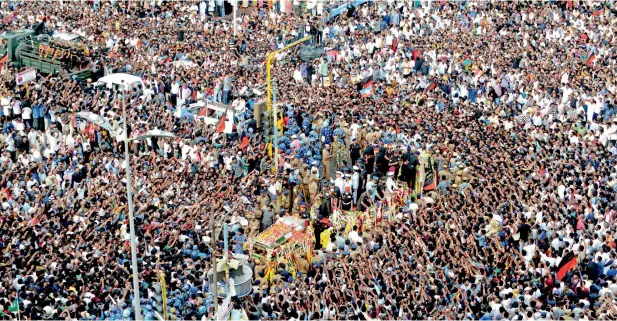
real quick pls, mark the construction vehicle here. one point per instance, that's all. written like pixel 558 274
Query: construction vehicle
pixel 25 48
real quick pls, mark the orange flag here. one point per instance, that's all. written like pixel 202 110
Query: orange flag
pixel 245 142
pixel 221 127
pixel 202 112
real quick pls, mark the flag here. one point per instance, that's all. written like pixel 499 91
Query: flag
pixel 15 306
pixel 3 61
pixel 202 113
pixel 221 127
pixel 597 12
pixel 245 142
pixel 367 89
pixel 430 87
pixel 366 92
pixel 591 59
pixel 568 262
pixel 295 263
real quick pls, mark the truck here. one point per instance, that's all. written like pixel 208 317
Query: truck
pixel 25 48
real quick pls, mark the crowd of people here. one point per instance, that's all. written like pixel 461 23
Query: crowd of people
pixel 514 101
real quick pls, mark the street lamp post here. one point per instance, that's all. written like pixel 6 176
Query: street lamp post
pixel 235 3
pixel 104 123
pixel 214 269
pixel 129 192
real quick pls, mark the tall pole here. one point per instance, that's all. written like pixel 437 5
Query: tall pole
pixel 275 115
pixel 226 247
pixel 129 194
pixel 235 2
pixel 269 59
pixel 214 271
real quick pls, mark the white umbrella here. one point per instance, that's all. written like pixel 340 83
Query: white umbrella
pixel 96 119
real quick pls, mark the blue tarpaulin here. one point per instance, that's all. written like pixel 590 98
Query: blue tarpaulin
pixel 342 8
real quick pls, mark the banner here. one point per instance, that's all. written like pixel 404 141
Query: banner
pixel 25 76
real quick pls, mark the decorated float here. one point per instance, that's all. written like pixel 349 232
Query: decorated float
pixel 284 239
pixel 387 208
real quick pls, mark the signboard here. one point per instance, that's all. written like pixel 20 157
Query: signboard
pixel 224 309
pixel 25 76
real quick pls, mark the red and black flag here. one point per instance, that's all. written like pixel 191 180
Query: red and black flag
pixel 3 61
pixel 568 262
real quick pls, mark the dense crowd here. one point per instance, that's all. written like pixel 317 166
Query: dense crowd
pixel 515 101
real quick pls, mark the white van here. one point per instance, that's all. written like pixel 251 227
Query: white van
pixel 115 81
pixel 211 114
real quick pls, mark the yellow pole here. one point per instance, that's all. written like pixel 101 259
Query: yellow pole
pixel 270 108
pixel 269 99
pixel 163 290
pixel 164 294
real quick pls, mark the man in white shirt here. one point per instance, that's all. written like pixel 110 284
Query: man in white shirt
pixel 185 94
pixel 339 181
pixel 354 236
pixel 10 147
pixel 26 116
pixel 148 93
pixel 16 104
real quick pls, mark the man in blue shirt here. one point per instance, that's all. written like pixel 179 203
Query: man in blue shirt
pixel 612 271
pixel 239 240
pixel 473 93
pixel 38 111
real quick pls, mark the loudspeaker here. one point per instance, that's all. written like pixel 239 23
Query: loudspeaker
pixel 181 35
